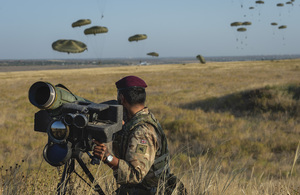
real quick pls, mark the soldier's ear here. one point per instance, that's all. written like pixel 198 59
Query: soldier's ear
pixel 122 99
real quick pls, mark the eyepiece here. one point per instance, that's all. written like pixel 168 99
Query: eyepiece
pixel 42 94
pixel 58 132
pixel 57 154
pixel 80 120
pixel 69 118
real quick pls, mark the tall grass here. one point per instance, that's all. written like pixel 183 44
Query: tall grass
pixel 205 176
pixel 232 127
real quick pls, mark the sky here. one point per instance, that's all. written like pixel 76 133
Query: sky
pixel 175 28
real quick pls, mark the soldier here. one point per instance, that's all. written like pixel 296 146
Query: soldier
pixel 141 156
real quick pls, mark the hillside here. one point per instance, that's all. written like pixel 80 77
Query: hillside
pixel 223 120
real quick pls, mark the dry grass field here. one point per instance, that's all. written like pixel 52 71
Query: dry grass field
pixel 233 127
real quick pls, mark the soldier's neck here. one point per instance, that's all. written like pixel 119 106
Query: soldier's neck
pixel 132 110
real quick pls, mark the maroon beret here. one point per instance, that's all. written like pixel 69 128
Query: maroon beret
pixel 130 81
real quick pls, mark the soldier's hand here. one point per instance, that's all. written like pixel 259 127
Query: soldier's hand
pixel 100 150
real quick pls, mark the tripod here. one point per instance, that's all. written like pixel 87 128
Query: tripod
pixel 69 169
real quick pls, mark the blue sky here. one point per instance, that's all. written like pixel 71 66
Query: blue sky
pixel 175 28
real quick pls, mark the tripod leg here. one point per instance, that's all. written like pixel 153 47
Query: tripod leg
pixel 65 178
pixel 97 187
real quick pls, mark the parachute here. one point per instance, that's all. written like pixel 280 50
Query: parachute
pixel 137 37
pixel 282 27
pixel 280 5
pixel 246 23
pixel 259 2
pixel 201 59
pixel 81 22
pixel 96 43
pixel 154 54
pixel 236 24
pixel 95 30
pixel 274 24
pixel 138 48
pixel 101 6
pixel 241 29
pixel 69 46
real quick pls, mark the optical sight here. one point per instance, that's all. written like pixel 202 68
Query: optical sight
pixel 71 122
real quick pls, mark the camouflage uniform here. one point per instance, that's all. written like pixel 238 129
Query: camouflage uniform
pixel 143 155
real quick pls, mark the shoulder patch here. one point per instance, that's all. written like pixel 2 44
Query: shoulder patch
pixel 141 149
pixel 143 141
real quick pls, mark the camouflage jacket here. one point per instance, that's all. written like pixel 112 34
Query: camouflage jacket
pixel 141 147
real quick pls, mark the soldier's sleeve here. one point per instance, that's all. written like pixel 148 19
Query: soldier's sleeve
pixel 139 157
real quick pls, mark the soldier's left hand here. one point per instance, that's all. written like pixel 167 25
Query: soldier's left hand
pixel 100 150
